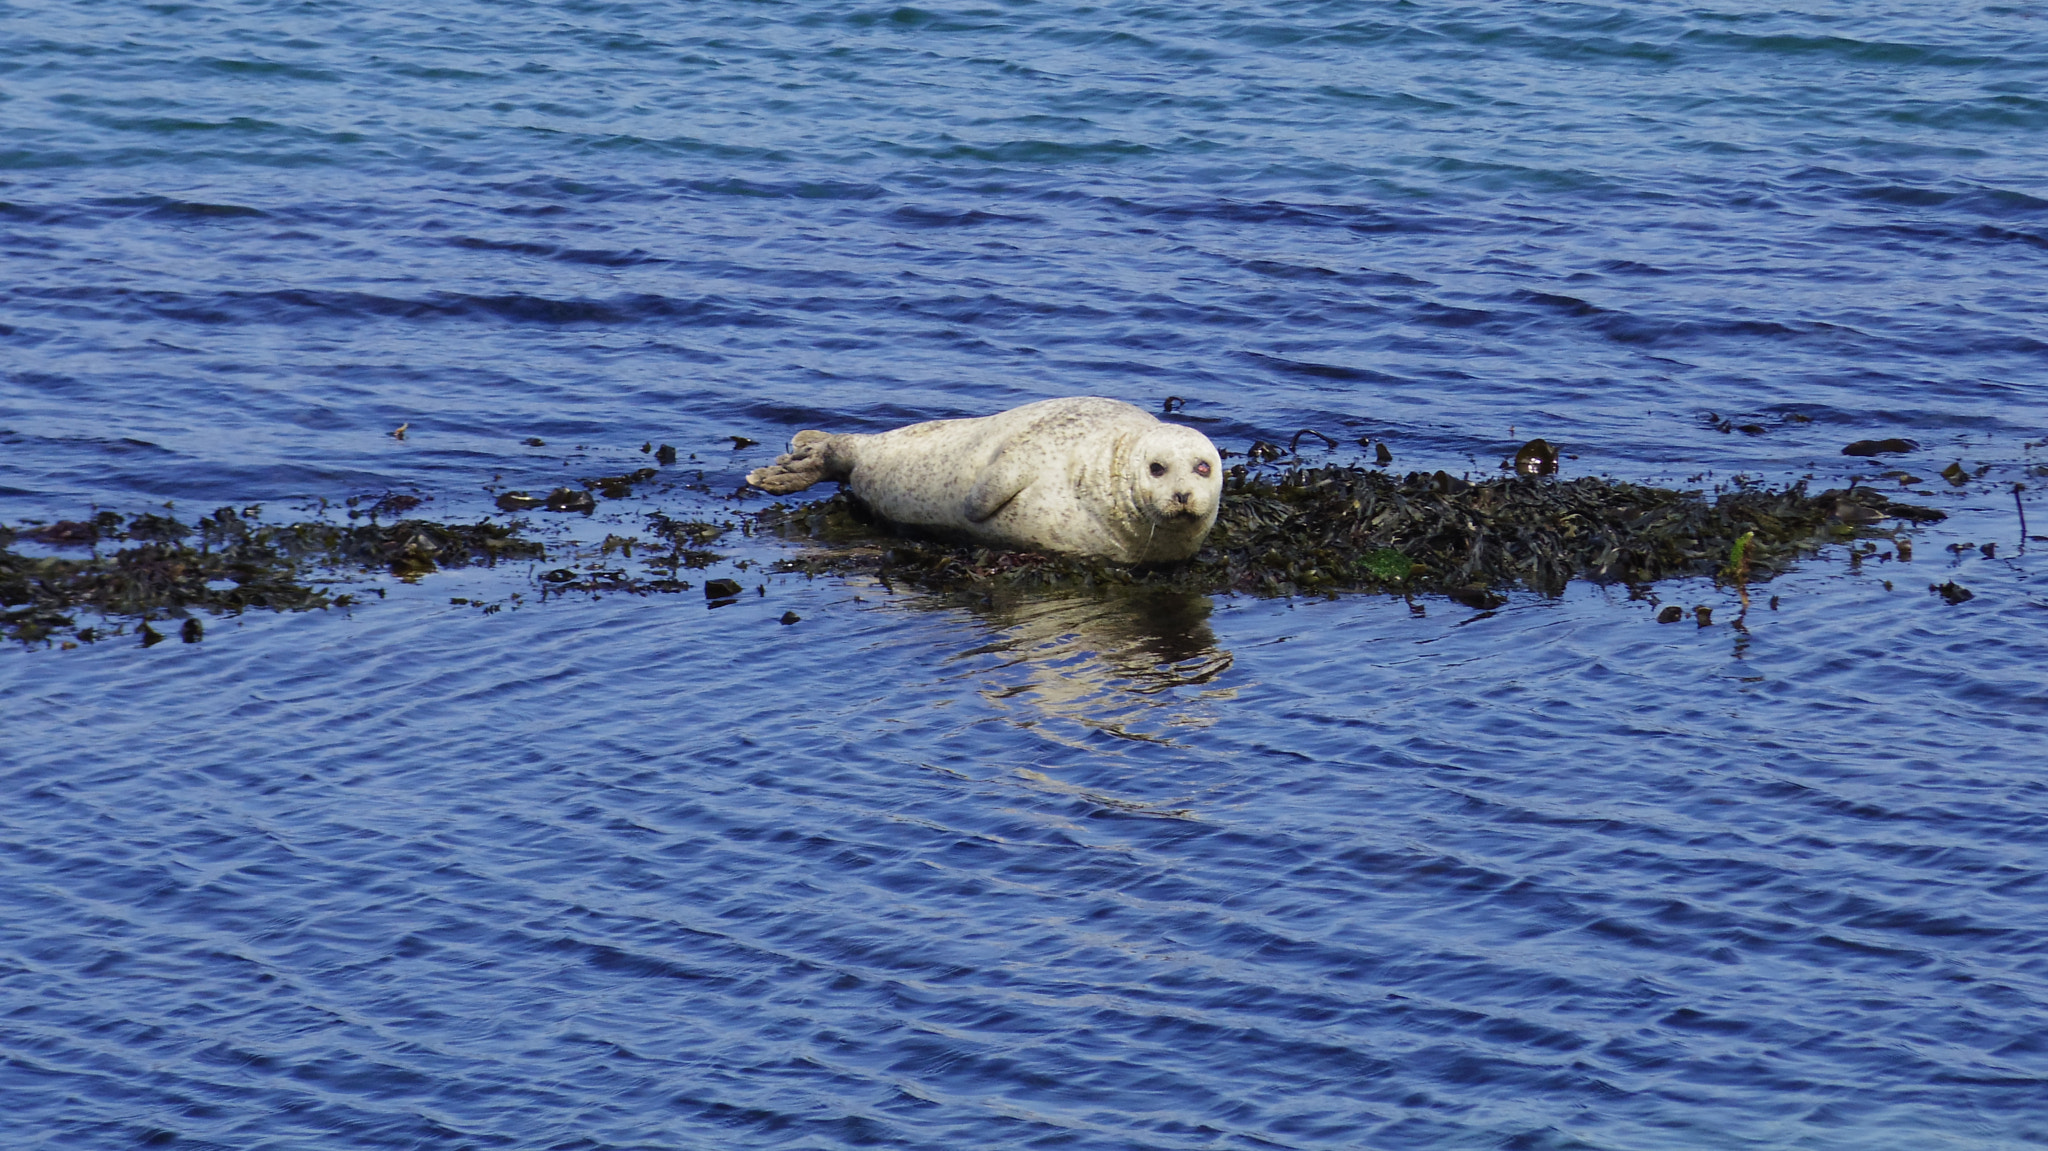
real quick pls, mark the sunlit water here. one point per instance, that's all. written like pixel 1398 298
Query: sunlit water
pixel 1136 871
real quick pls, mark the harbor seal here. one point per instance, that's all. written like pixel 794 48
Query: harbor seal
pixel 1085 476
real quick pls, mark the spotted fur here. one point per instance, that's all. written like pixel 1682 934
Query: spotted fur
pixel 1084 476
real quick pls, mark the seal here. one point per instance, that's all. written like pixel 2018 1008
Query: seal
pixel 1085 476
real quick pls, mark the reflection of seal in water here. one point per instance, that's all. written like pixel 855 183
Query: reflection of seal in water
pixel 1087 476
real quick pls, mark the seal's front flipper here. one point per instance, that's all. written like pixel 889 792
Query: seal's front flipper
pixel 1009 473
pixel 808 461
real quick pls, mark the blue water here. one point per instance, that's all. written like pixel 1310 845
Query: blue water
pixel 1096 872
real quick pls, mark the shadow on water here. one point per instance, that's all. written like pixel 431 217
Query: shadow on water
pixel 1112 662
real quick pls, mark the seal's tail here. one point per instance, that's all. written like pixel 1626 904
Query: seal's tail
pixel 808 461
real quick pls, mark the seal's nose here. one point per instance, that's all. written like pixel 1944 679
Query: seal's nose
pixel 1180 497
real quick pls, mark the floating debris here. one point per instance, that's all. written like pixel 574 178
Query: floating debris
pixel 1952 591
pixel 1341 528
pixel 685 538
pixel 392 503
pixel 1879 447
pixel 620 487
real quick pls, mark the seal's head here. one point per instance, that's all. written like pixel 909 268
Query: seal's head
pixel 1176 484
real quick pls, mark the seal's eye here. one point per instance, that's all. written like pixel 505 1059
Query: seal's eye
pixel 1158 469
pixel 1202 468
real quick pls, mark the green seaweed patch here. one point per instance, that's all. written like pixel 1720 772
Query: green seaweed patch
pixel 1387 565
pixel 151 566
pixel 1333 529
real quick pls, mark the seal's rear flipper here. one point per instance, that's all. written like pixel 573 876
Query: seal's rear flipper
pixel 807 462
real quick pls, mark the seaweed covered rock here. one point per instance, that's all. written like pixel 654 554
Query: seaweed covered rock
pixel 1333 529
pixel 226 562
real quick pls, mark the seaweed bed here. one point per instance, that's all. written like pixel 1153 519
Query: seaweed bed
pixel 1330 529
pixel 1296 531
pixel 227 562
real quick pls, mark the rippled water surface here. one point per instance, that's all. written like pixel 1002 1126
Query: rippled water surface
pixel 1098 872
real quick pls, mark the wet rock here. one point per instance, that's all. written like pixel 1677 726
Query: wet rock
pixel 790 617
pixel 1536 458
pixel 1851 512
pixel 1704 615
pixel 1914 512
pixel 739 442
pixel 193 631
pixel 1671 614
pixel 152 637
pixel 1952 591
pixel 664 455
pixel 1879 447
pixel 518 502
pixel 535 442
pixel 1955 474
pixel 721 589
pixel 1381 455
pixel 1476 596
pixel 66 533
pixel 571 500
